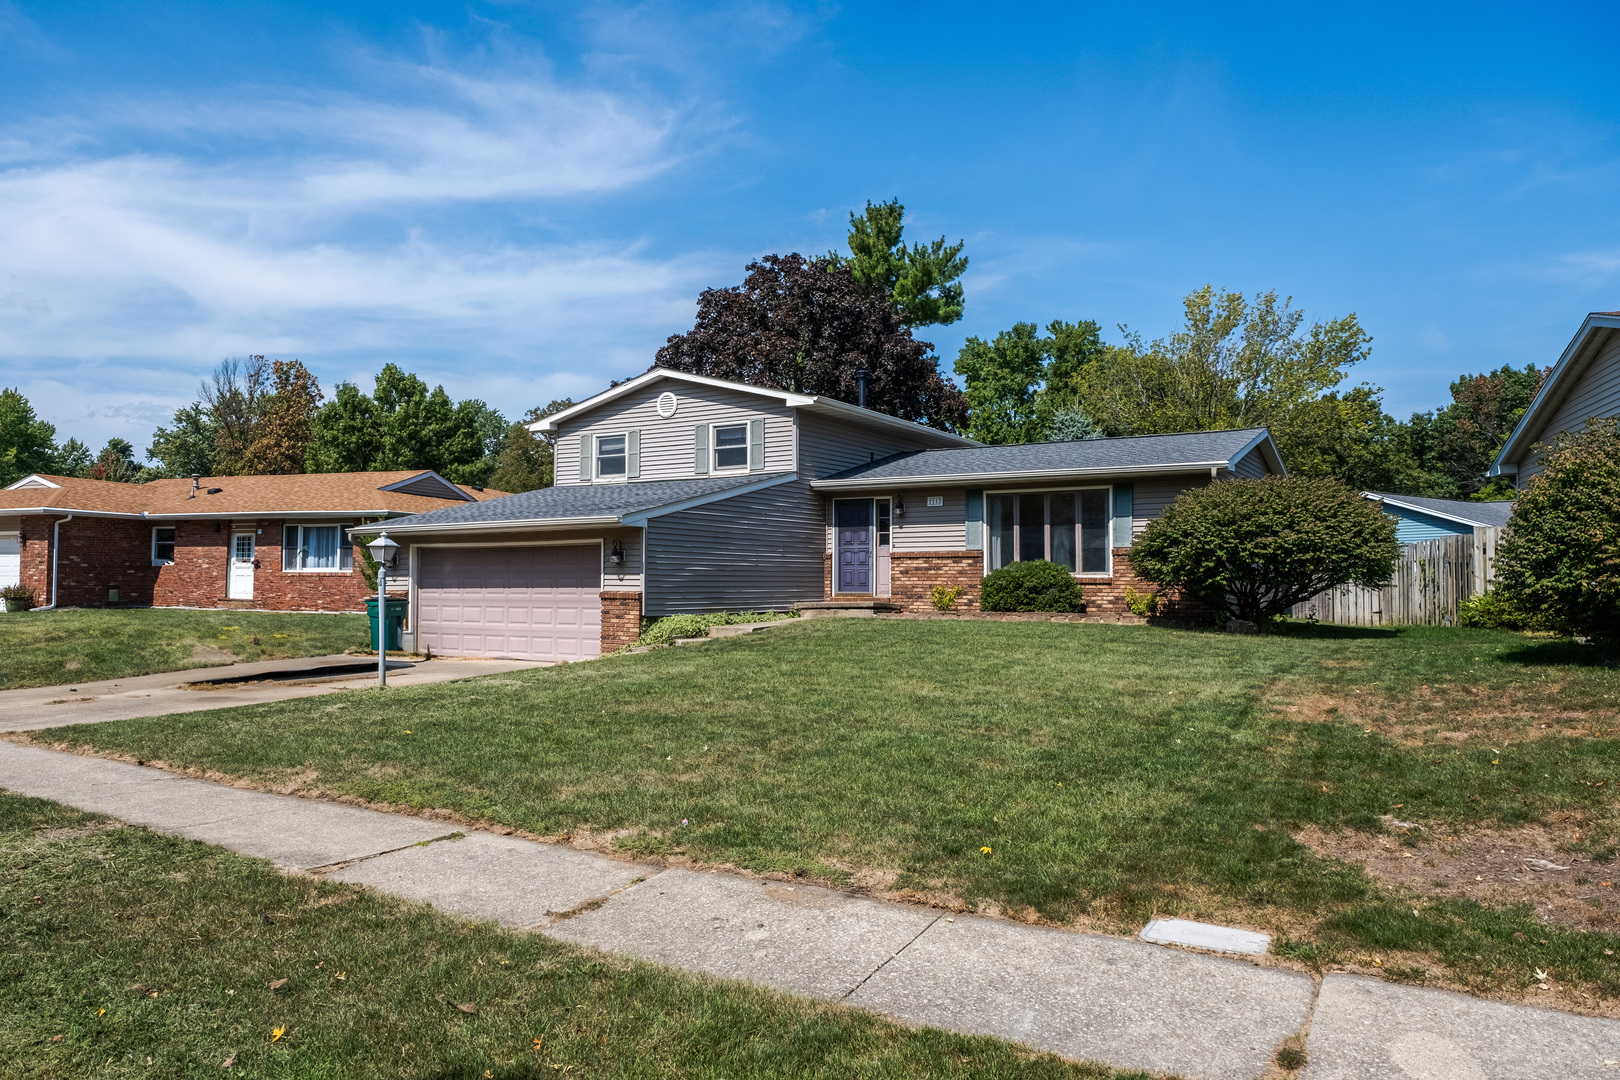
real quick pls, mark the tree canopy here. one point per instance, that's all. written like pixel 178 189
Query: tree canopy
pixel 404 425
pixel 1255 548
pixel 806 325
pixel 526 460
pixel 1019 382
pixel 922 281
pixel 27 443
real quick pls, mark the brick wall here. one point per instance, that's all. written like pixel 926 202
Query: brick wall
pixel 913 575
pixel 621 620
pixel 99 554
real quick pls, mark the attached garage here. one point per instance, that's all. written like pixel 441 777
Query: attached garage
pixel 529 603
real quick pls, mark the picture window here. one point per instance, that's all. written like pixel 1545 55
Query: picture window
pixel 1070 528
pixel 315 547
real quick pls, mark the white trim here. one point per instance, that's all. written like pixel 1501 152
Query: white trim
pixel 1426 511
pixel 526 524
pixel 789 399
pixel 640 518
pixel 714 450
pixel 1078 574
pixel 596 457
pixel 32 480
pixel 457 492
pixel 1531 426
pixel 173 543
pixel 1274 459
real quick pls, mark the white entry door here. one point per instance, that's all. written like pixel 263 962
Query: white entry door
pixel 240 584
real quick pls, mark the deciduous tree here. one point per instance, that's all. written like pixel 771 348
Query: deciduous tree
pixel 1019 382
pixel 280 437
pixel 808 326
pixel 27 443
pixel 188 446
pixel 526 460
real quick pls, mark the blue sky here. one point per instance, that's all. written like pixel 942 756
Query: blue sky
pixel 523 200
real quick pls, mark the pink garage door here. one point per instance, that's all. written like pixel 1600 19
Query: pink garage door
pixel 532 603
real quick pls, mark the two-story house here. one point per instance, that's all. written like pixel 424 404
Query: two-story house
pixel 677 493
pixel 1583 384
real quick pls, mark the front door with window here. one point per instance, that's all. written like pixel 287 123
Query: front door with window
pixel 852 554
pixel 239 585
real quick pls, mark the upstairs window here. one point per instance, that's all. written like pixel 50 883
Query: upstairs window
pixel 610 457
pixel 162 547
pixel 1069 528
pixel 730 446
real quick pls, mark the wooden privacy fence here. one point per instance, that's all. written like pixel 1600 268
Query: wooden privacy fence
pixel 1432 579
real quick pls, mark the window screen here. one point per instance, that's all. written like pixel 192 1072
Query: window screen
pixel 610 455
pixel 731 446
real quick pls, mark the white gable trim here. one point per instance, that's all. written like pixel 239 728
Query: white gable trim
pixel 1571 365
pixel 549 424
pixel 1425 510
pixel 1268 450
pixel 32 481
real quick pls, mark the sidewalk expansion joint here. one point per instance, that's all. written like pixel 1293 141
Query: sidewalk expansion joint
pixel 892 957
pixel 345 863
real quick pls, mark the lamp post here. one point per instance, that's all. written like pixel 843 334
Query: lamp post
pixel 383 550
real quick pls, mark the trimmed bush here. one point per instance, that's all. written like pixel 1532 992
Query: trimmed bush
pixel 666 630
pixel 1493 611
pixel 1036 585
pixel 1560 553
pixel 1255 548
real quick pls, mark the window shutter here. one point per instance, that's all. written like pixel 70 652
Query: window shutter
pixel 975 520
pixel 700 449
pixel 756 445
pixel 1124 513
pixel 345 549
pixel 289 547
pixel 585 459
pixel 632 454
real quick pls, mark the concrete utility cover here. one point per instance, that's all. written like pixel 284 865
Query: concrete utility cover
pixel 1373 1030
pixel 1205 936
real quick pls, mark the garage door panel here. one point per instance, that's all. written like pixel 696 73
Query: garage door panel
pixel 540 603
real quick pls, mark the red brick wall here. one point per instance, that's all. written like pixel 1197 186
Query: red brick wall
pixel 621 620
pixel 915 573
pixel 103 553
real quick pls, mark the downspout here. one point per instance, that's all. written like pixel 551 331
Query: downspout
pixel 56 550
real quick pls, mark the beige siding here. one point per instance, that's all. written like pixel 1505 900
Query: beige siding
pixel 1252 465
pixel 827 446
pixel 932 528
pixel 751 552
pixel 666 445
pixel 1595 393
pixel 1152 496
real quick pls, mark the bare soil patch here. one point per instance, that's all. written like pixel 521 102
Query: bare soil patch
pixel 1500 714
pixel 1497 868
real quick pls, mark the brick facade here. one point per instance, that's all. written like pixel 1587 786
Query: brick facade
pixel 621 620
pixel 913 575
pixel 103 554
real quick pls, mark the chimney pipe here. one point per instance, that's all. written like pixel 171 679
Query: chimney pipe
pixel 195 477
pixel 860 387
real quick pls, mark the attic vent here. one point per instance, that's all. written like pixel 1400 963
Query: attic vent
pixel 215 491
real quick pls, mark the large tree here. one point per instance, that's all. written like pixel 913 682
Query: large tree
pixel 235 398
pixel 404 425
pixel 188 446
pixel 1348 436
pixel 527 459
pixel 1020 383
pixel 1234 363
pixel 27 443
pixel 806 326
pixel 922 281
pixel 281 433
pixel 1459 442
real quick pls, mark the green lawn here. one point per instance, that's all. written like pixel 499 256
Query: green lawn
pixel 45 648
pixel 1113 772
pixel 127 954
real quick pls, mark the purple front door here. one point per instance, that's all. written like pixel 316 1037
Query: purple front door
pixel 852 548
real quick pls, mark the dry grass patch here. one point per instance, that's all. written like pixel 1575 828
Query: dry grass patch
pixel 1497 714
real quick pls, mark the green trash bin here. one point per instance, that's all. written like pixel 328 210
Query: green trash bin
pixel 396 622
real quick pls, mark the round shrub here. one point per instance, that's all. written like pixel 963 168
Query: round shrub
pixel 1255 548
pixel 1036 585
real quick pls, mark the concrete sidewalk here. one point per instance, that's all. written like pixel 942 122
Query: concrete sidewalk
pixel 173 691
pixel 1125 1003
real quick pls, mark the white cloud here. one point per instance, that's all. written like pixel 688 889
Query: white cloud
pixel 1588 269
pixel 344 231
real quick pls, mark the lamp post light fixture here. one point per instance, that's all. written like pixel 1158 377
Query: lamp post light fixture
pixel 384 551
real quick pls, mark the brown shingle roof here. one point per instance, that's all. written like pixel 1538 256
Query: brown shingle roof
pixel 309 493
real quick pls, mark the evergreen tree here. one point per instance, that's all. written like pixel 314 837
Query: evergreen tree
pixel 922 281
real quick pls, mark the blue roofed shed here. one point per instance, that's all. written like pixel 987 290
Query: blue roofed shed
pixel 1418 519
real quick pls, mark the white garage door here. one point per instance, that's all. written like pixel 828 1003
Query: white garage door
pixel 531 603
pixel 10 562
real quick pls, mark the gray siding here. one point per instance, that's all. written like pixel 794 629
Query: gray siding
pixel 753 552
pixel 1153 495
pixel 932 528
pixel 827 446
pixel 627 575
pixel 1595 393
pixel 1252 465
pixel 667 445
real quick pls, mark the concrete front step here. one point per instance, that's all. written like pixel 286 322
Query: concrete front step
pixel 822 609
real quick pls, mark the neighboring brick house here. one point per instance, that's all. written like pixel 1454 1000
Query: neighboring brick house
pixel 678 493
pixel 264 542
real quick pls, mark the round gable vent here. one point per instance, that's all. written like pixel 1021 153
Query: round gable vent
pixel 666 405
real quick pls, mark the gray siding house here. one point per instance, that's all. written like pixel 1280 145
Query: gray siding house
pixel 1585 383
pixel 677 493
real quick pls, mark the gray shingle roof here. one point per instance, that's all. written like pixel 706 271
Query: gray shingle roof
pixel 578 501
pixel 1192 449
pixel 1480 513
